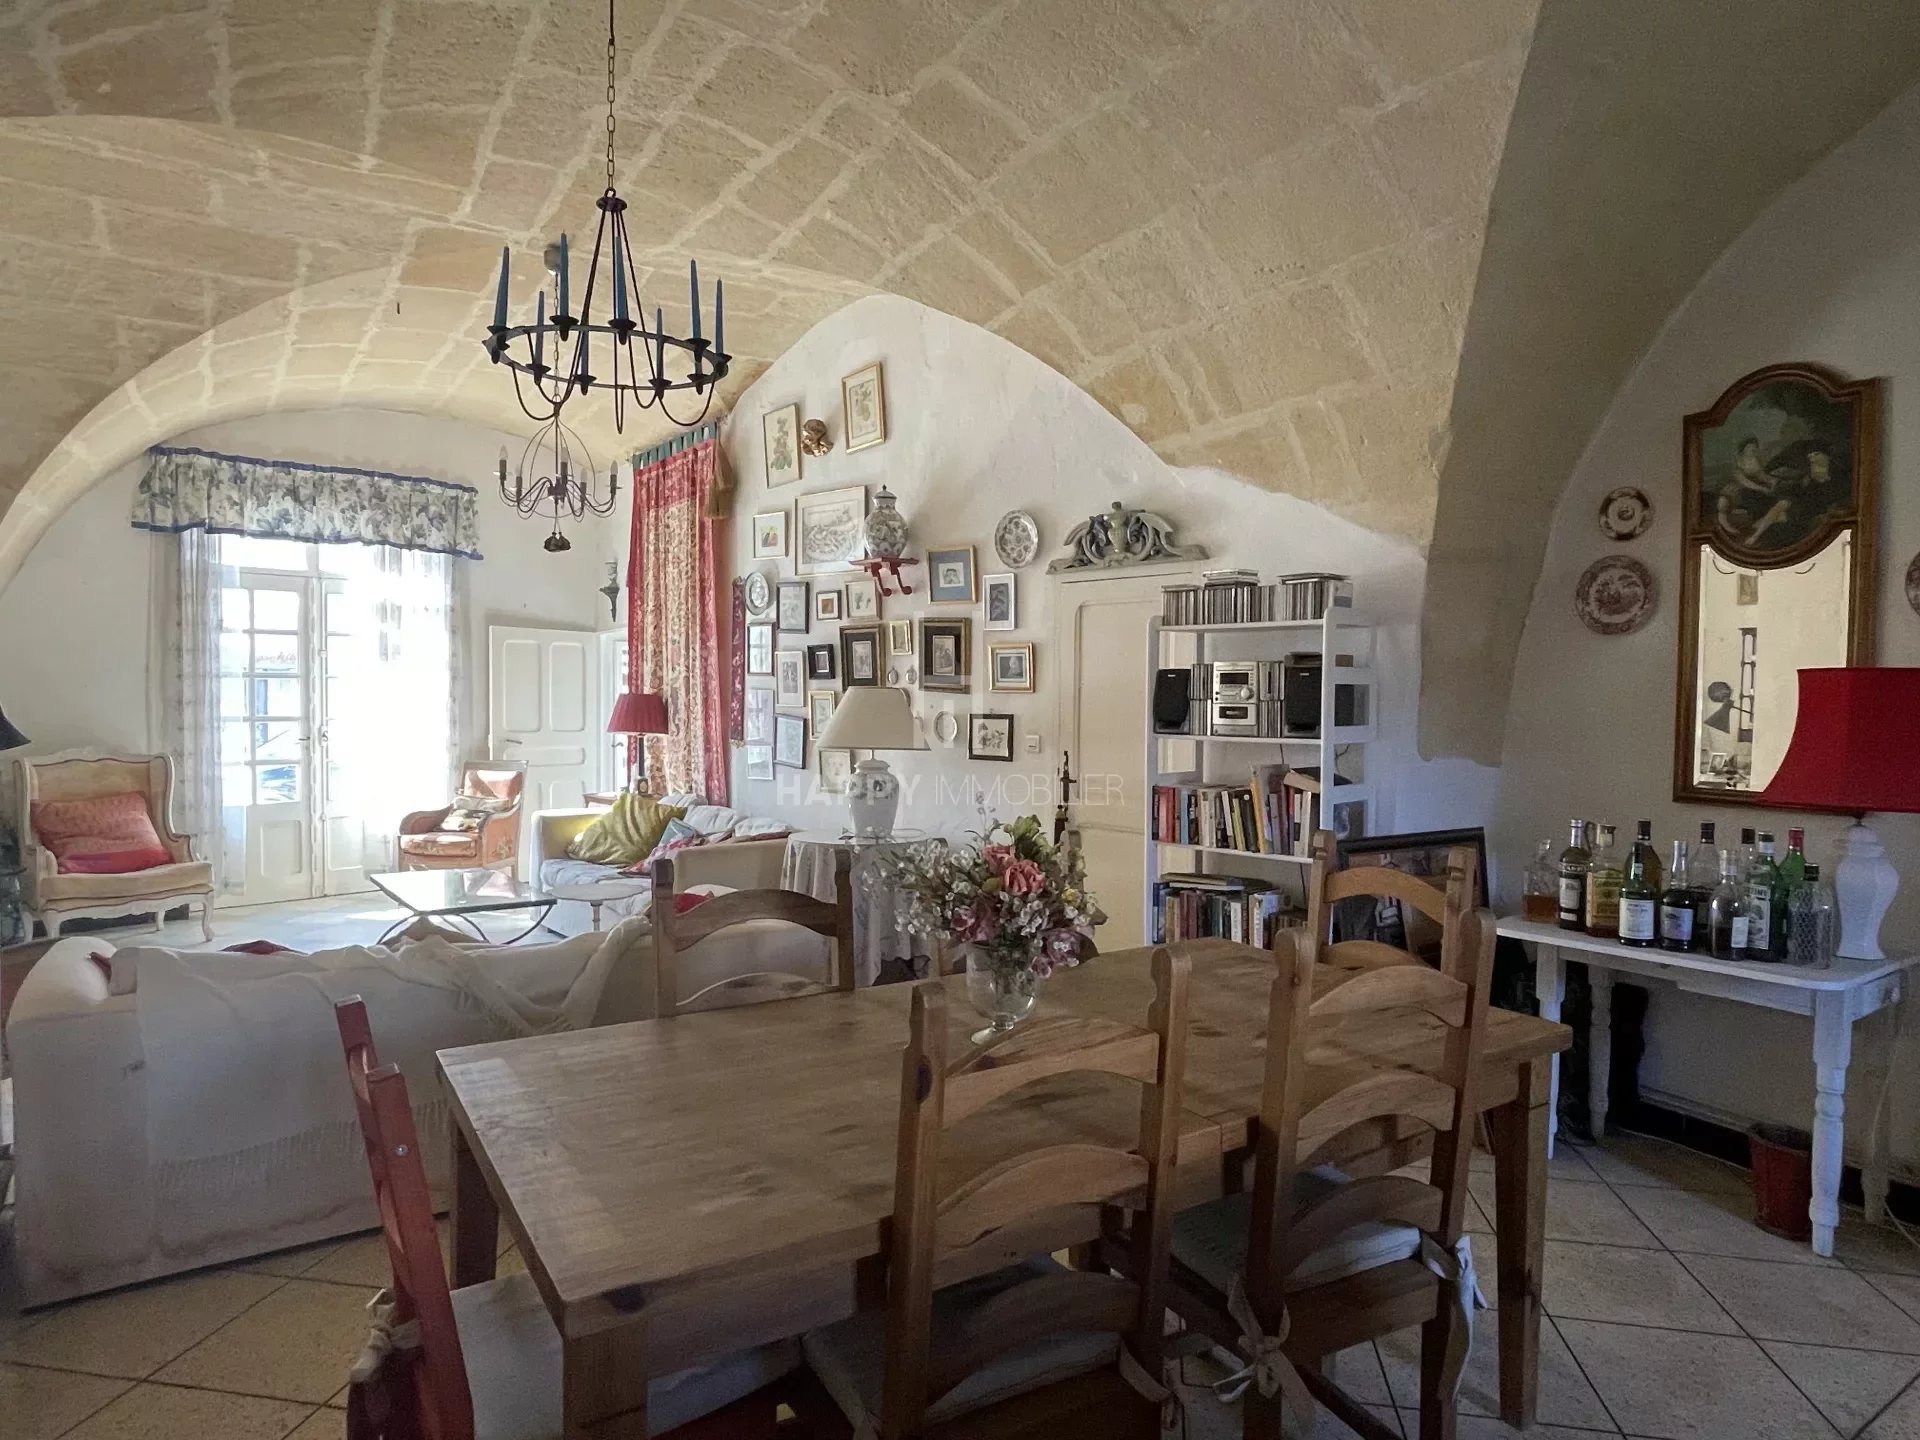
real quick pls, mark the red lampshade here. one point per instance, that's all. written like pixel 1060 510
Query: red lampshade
pixel 635 713
pixel 1856 743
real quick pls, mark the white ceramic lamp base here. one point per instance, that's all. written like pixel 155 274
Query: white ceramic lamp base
pixel 873 799
pixel 1865 883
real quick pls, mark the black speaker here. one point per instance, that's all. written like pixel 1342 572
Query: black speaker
pixel 1173 702
pixel 1300 697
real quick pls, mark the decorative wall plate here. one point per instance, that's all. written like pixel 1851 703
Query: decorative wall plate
pixel 1016 539
pixel 759 591
pixel 1625 514
pixel 1615 596
pixel 1913 584
pixel 946 729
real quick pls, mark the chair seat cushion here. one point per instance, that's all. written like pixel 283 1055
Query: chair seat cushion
pixel 441 842
pixel 188 877
pixel 514 1368
pixel 850 1359
pixel 1211 1239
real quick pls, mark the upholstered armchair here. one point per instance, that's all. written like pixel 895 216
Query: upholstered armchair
pixel 54 896
pixel 479 830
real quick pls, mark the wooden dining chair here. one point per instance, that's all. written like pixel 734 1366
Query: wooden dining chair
pixel 413 1381
pixel 676 931
pixel 1312 1262
pixel 1445 905
pixel 970 1345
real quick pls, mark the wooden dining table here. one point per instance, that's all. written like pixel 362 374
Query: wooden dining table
pixel 681 1189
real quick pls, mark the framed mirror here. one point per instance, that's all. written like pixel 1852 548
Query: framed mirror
pixel 1778 567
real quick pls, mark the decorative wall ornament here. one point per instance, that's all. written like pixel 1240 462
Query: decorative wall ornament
pixel 1016 539
pixel 759 591
pixel 1614 596
pixel 814 439
pixel 187 489
pixel 1625 514
pixel 885 530
pixel 1122 535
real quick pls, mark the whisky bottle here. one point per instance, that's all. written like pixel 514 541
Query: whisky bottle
pixel 1726 919
pixel 1760 895
pixel 1639 903
pixel 1574 861
pixel 1603 887
pixel 1703 874
pixel 1676 904
pixel 1649 857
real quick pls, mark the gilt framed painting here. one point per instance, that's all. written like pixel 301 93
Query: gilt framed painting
pixel 780 429
pixel 827 529
pixel 863 399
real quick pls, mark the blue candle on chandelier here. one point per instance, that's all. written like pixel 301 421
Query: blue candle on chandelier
pixel 539 329
pixel 563 274
pixel 720 317
pixel 619 282
pixel 693 277
pixel 500 296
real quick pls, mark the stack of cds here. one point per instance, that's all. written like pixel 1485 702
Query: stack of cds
pixel 1236 597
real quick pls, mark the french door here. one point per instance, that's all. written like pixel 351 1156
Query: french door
pixel 290 644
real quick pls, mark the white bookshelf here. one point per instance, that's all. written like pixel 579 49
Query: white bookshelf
pixel 1230 759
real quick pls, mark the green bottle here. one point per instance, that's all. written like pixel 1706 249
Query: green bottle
pixel 1639 902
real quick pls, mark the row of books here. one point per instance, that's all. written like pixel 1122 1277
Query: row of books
pixel 1225 907
pixel 1275 813
pixel 1237 597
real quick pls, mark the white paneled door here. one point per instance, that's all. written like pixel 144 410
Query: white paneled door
pixel 267 729
pixel 1100 645
pixel 543 693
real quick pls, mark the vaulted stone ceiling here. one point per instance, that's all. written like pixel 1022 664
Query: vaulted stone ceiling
pixel 1250 228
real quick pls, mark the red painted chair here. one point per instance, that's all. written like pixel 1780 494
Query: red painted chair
pixel 417 1385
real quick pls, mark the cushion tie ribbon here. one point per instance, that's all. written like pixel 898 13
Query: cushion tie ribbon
pixel 1456 1267
pixel 384 1337
pixel 1268 1369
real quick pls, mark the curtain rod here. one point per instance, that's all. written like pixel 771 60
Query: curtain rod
pixel 686 440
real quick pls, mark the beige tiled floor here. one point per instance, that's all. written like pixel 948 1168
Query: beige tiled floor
pixel 1670 1317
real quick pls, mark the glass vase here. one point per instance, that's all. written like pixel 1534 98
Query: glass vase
pixel 1001 985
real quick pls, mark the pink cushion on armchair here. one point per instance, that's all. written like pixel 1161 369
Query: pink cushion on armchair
pixel 101 835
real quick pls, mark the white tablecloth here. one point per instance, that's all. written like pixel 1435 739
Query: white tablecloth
pixel 880 935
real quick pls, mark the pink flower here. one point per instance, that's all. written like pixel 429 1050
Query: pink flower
pixel 998 857
pixel 1063 945
pixel 1025 877
pixel 976 922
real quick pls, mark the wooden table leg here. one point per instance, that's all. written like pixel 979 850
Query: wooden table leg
pixel 1832 1052
pixel 1550 987
pixel 1520 1218
pixel 476 1219
pixel 1599 1049
pixel 604 1391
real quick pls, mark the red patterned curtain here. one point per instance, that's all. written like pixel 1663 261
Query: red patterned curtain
pixel 675 632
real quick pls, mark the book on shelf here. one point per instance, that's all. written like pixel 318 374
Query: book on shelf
pixel 1226 907
pixel 1276 812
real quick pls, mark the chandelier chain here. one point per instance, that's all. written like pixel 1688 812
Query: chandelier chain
pixel 610 96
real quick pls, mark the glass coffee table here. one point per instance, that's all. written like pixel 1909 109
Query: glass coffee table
pixel 459 895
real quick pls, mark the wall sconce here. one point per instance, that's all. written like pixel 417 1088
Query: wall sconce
pixel 612 589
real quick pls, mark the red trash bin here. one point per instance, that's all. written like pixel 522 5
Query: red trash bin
pixel 1782 1180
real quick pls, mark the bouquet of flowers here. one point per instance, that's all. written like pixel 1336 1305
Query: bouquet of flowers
pixel 1012 896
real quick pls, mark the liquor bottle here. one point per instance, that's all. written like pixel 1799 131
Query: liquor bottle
pixel 1639 902
pixel 1726 919
pixel 1826 911
pixel 1793 865
pixel 1542 898
pixel 1603 887
pixel 1808 925
pixel 1574 861
pixel 1760 894
pixel 1676 904
pixel 1649 857
pixel 1703 874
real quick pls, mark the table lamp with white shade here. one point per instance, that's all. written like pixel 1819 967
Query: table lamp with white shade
pixel 871 717
pixel 1855 748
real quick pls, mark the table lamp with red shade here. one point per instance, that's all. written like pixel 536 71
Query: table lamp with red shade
pixel 638 712
pixel 1855 748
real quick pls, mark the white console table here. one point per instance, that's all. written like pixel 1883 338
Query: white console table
pixel 1834 998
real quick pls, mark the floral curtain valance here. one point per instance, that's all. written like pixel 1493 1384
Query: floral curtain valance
pixel 286 500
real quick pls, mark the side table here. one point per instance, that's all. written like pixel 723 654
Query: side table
pixel 1834 998
pixel 879 933
pixel 598 892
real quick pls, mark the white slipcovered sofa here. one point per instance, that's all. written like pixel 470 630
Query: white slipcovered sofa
pixel 138 1116
pixel 742 852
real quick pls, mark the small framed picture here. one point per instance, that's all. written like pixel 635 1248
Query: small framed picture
pixel 951 578
pixel 790 612
pixel 820 663
pixel 760 648
pixel 770 535
pixel 835 767
pixel 790 741
pixel 759 762
pixel 946 655
pixel 820 707
pixel 789 680
pixel 826 605
pixel 1001 611
pixel 827 528
pixel 863 402
pixel 1010 667
pixel 863 599
pixel 900 637
pixel 781 431
pixel 989 737
pixel 760 715
pixel 860 655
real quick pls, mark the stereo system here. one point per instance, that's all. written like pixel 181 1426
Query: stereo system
pixel 1268 699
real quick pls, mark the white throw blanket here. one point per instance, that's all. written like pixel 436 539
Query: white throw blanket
pixel 245 1069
